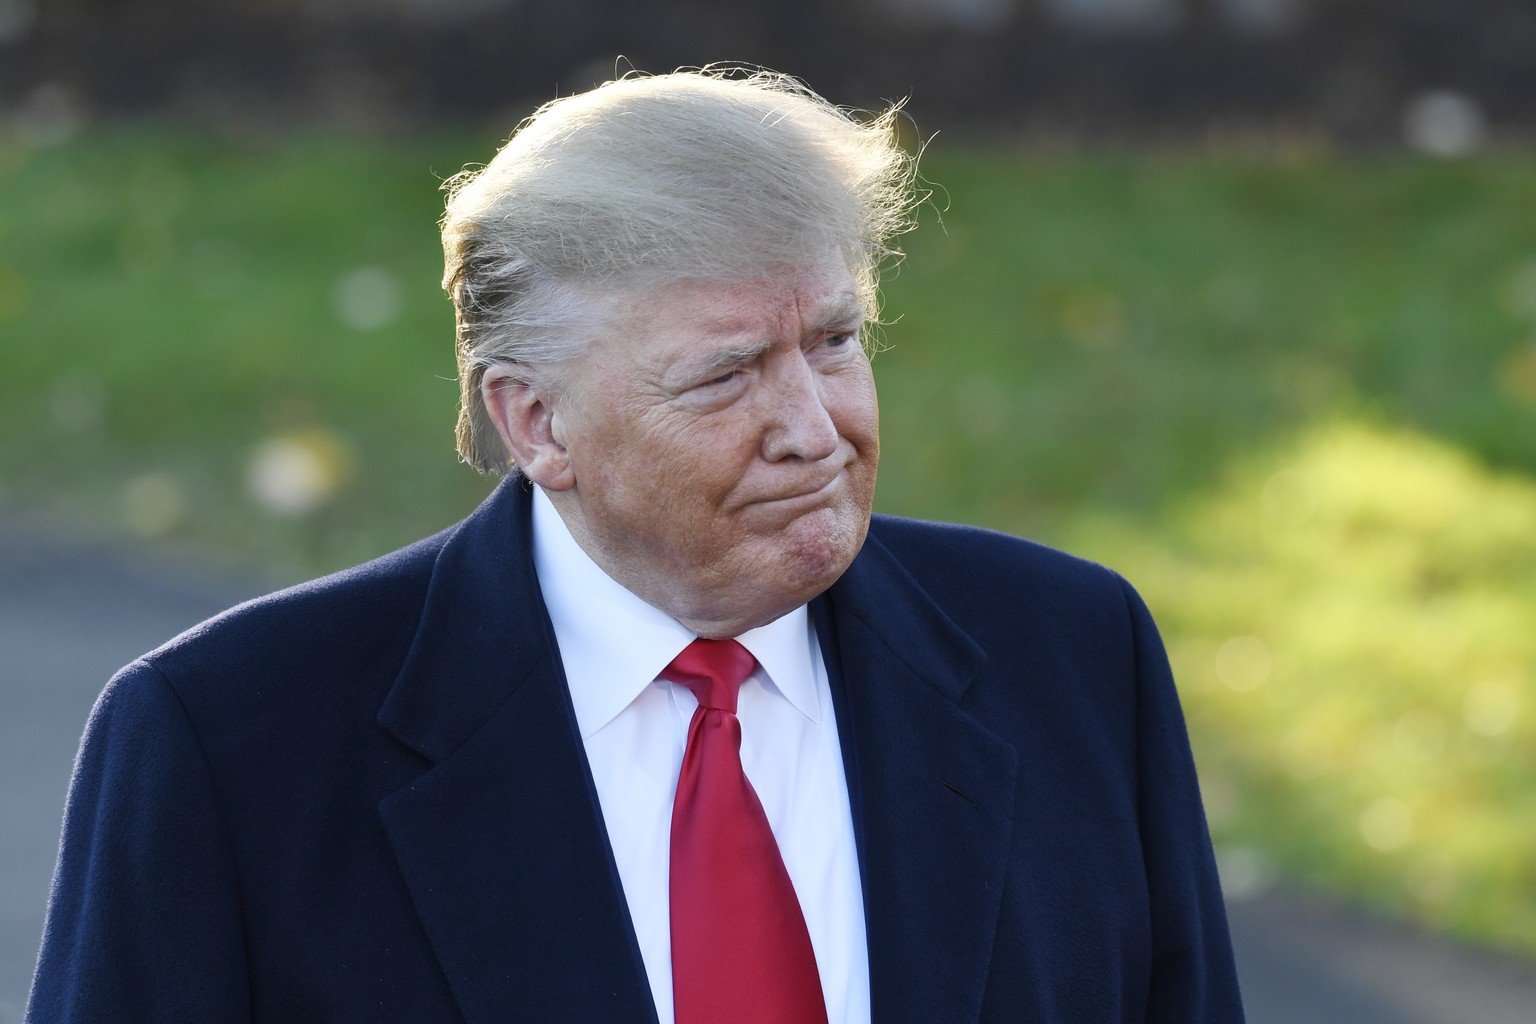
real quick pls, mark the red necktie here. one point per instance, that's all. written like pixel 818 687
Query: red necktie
pixel 740 950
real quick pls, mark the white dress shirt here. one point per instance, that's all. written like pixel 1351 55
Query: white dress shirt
pixel 635 727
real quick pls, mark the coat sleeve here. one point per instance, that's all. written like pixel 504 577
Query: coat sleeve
pixel 143 922
pixel 1194 979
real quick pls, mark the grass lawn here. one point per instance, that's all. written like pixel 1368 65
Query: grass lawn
pixel 1293 399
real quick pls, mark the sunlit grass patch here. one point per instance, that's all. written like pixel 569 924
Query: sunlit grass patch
pixel 1352 617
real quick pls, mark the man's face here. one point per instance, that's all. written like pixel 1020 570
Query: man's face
pixel 722 445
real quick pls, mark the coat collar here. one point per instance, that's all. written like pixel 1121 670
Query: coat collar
pixel 502 842
pixel 482 626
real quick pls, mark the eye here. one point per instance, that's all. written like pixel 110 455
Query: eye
pixel 844 338
pixel 724 378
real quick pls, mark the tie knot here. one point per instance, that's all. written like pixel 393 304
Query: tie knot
pixel 714 670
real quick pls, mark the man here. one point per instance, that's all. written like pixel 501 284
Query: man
pixel 668 729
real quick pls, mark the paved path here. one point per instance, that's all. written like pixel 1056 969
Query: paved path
pixel 1305 961
pixel 71 614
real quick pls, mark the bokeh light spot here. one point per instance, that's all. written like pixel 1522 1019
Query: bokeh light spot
pixel 1289 498
pixel 1444 123
pixel 367 298
pixel 1243 663
pixel 17 18
pixel 1386 824
pixel 295 474
pixel 1245 872
pixel 49 115
pixel 1491 707
pixel 154 504
pixel 78 402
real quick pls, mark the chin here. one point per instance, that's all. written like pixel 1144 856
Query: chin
pixel 820 548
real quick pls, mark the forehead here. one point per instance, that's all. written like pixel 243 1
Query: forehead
pixel 794 302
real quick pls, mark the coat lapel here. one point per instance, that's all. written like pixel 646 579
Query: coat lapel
pixel 502 843
pixel 931 789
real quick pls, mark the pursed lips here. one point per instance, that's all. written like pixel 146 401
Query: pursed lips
pixel 811 492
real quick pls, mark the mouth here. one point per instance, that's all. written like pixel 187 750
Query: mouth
pixel 809 496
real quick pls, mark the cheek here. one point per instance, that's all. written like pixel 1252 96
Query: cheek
pixel 674 482
pixel 857 414
pixel 707 458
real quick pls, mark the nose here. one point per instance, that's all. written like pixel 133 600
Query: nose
pixel 799 424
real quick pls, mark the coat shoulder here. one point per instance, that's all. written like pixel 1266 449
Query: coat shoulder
pixel 980 573
pixel 330 627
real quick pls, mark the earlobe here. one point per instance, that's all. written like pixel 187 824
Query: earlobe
pixel 524 415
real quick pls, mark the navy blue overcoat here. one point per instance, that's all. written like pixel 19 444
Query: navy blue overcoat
pixel 365 799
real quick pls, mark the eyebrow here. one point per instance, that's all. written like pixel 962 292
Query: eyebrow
pixel 843 311
pixel 718 362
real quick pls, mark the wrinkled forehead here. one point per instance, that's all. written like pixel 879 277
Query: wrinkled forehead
pixel 823 295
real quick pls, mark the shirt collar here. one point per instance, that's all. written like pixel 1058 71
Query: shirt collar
pixel 783 649
pixel 613 645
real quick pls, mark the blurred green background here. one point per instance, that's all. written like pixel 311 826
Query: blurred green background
pixel 1287 387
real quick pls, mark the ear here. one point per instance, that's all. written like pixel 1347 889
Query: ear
pixel 524 416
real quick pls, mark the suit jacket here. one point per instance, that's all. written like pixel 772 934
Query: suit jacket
pixel 365 799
